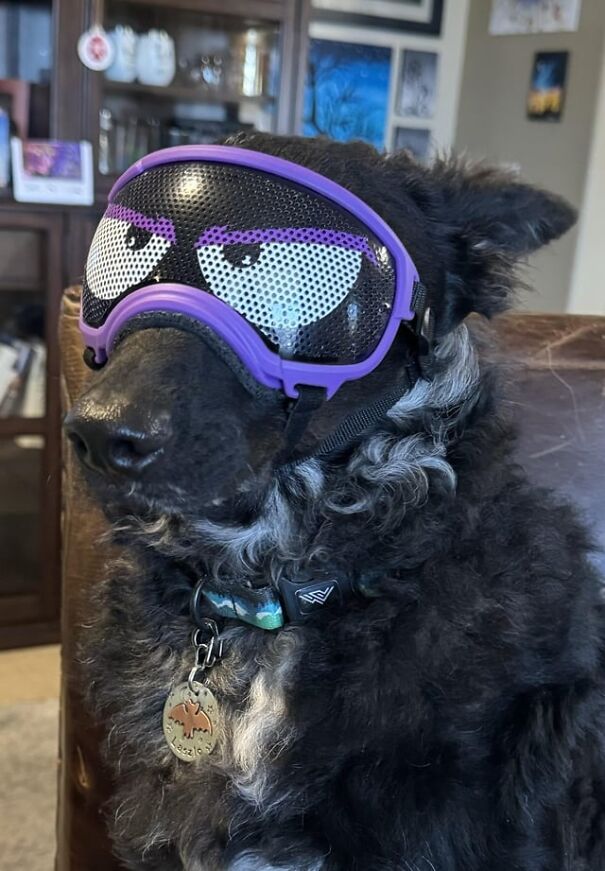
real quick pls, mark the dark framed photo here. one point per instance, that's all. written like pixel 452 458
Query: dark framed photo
pixel 546 96
pixel 411 16
pixel 418 86
pixel 416 140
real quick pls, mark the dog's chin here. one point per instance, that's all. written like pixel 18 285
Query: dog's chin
pixel 148 501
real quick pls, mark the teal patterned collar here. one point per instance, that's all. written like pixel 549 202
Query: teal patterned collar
pixel 293 602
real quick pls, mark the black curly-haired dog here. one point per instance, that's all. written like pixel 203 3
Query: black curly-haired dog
pixel 454 721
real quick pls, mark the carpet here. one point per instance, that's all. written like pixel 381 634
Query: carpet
pixel 28 785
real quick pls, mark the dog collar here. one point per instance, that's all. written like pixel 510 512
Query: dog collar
pixel 293 602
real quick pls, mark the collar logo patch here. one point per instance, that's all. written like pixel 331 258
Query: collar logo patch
pixel 310 598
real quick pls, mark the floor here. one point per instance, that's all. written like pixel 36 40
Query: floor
pixel 30 674
pixel 29 714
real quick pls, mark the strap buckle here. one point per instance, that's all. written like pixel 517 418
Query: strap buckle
pixel 302 600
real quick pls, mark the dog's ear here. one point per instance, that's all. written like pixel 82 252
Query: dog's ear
pixel 485 220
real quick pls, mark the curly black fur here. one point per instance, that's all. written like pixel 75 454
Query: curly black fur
pixel 452 723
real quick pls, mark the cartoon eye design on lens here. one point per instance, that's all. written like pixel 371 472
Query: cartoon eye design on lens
pixel 281 278
pixel 126 248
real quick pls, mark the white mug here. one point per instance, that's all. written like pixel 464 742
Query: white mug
pixel 124 66
pixel 156 62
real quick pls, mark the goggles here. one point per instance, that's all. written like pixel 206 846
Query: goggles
pixel 301 279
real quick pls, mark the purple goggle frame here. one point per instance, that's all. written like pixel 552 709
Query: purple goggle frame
pixel 267 367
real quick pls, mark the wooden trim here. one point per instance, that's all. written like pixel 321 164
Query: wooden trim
pixel 13 426
pixel 293 58
pixel 266 10
pixel 51 465
pixel 29 635
pixel 20 608
pixel 68 108
pixel 181 93
pixel 301 53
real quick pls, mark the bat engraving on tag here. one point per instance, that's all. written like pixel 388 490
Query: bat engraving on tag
pixel 190 716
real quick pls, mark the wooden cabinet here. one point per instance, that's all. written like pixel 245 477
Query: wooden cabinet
pixel 30 457
pixel 238 63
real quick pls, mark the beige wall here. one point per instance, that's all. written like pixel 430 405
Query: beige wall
pixel 492 123
pixel 587 287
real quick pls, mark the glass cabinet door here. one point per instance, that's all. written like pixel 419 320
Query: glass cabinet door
pixel 22 323
pixel 26 62
pixel 182 76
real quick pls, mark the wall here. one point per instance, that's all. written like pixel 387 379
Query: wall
pixel 587 290
pixel 492 124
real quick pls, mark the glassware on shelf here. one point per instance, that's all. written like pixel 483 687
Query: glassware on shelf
pixel 106 142
pixel 250 69
pixel 207 70
pixel 124 139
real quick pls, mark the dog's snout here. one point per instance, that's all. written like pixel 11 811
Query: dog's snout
pixel 112 445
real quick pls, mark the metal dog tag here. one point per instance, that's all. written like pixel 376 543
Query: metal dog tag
pixel 190 715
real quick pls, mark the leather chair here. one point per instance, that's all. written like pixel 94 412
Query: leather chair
pixel 556 366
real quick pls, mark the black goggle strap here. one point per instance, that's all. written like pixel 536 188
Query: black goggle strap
pixel 311 398
pixel 300 413
pixel 424 327
pixel 351 427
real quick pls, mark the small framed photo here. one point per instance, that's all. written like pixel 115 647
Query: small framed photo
pixel 546 95
pixel 52 171
pixel 416 140
pixel 418 88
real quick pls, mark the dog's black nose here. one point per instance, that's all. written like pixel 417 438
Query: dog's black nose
pixel 112 445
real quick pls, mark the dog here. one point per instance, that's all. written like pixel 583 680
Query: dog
pixel 447 715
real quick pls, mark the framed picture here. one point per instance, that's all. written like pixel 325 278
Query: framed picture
pixel 534 16
pixel 14 99
pixel 51 171
pixel 418 87
pixel 347 91
pixel 546 95
pixel 416 140
pixel 4 149
pixel 413 16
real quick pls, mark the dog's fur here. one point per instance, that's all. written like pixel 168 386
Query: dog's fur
pixel 452 723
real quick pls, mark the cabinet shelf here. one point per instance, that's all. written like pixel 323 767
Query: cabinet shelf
pixel 16 287
pixel 14 426
pixel 266 10
pixel 183 93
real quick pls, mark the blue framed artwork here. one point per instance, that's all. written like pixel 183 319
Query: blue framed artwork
pixel 347 91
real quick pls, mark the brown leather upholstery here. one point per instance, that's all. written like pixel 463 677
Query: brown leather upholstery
pixel 557 373
pixel 82 843
pixel 557 395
